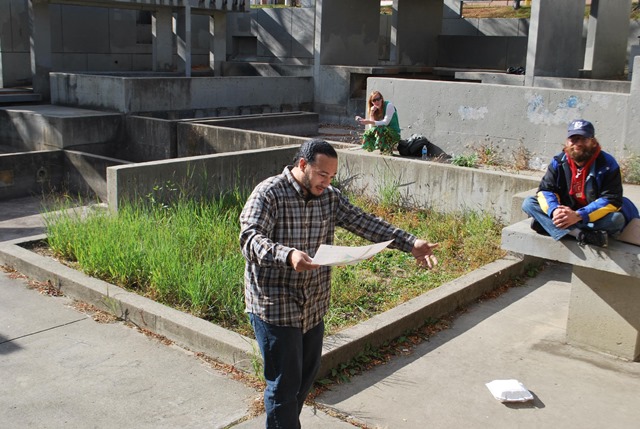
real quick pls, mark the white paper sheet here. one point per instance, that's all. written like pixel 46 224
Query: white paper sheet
pixel 345 255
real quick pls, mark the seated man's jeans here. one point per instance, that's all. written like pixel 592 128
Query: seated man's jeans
pixel 611 223
pixel 291 363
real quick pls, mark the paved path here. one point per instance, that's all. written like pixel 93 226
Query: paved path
pixel 59 368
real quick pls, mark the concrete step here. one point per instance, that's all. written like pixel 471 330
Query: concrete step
pixel 59 127
pixel 9 96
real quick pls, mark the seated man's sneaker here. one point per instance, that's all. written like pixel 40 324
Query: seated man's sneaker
pixel 596 238
pixel 535 225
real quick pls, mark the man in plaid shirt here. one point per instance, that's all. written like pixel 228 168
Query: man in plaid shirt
pixel 284 221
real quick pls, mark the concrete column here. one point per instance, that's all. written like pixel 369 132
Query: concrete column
pixel 40 46
pixel 603 314
pixel 162 34
pixel 393 36
pixel 632 120
pixel 608 29
pixel 317 47
pixel 415 28
pixel 342 42
pixel 183 39
pixel 555 39
pixel 217 42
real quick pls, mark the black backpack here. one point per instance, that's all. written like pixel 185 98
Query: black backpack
pixel 413 145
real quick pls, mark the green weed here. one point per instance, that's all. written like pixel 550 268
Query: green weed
pixel 630 168
pixel 465 160
pixel 186 255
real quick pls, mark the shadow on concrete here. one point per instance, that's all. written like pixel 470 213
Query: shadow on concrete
pixel 20 207
pixel 385 373
pixel 7 345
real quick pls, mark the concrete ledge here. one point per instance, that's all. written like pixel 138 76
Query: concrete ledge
pixel 134 95
pixel 240 351
pixel 494 78
pixel 619 258
pixel 19 98
pixel 46 127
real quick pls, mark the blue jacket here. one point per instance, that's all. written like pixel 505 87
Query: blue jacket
pixel 603 189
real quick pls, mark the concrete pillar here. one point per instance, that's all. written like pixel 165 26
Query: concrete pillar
pixel 634 51
pixel 632 121
pixel 394 53
pixel 162 34
pixel 217 42
pixel 40 46
pixel 602 314
pixel 349 36
pixel 555 39
pixel 183 39
pixel 413 44
pixel 608 30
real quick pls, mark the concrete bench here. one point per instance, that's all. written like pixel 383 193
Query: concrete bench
pixel 604 308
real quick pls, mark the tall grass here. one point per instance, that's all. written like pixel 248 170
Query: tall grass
pixel 467 241
pixel 186 255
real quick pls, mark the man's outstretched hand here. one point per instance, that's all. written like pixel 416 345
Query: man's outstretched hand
pixel 423 252
pixel 300 261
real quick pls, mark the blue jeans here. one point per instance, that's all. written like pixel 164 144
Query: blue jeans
pixel 612 223
pixel 291 362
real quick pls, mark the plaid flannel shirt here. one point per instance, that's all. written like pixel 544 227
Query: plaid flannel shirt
pixel 277 219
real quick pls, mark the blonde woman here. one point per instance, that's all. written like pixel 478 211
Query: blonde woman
pixel 382 125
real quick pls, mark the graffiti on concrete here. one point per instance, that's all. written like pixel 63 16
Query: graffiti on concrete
pixel 472 113
pixel 565 111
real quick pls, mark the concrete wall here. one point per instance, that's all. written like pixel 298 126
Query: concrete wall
pixel 15 62
pixel 44 172
pixel 443 187
pixel 197 139
pixel 457 117
pixel 30 173
pixel 490 52
pixel 132 95
pixel 86 174
pixel 203 176
pixel 284 35
pixel 424 184
pixel 292 123
pixel 149 139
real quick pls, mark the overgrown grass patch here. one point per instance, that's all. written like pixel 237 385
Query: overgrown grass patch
pixel 187 255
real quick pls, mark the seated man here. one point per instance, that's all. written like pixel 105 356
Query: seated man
pixel 581 193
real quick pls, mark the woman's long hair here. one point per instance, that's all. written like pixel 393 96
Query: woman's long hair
pixel 379 113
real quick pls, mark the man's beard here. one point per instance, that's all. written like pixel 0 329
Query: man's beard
pixel 583 156
pixel 306 184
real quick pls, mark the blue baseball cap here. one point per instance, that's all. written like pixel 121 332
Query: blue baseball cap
pixel 580 127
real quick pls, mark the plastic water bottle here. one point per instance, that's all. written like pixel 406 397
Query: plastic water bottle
pixel 424 152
